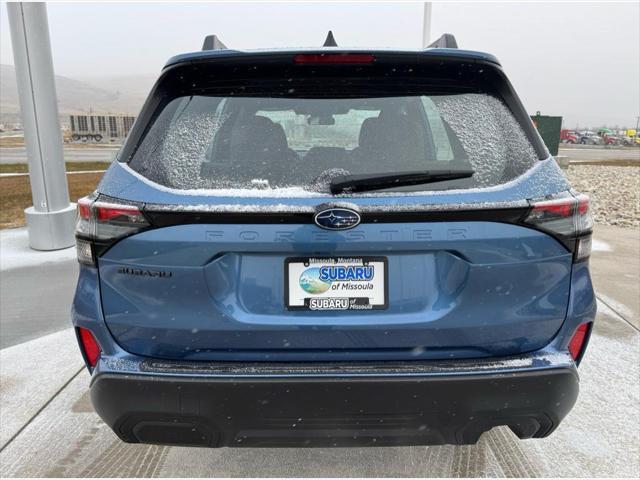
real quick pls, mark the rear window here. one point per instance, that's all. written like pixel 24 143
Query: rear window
pixel 263 142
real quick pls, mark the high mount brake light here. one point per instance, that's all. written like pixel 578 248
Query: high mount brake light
pixel 334 58
pixel 103 223
pixel 568 218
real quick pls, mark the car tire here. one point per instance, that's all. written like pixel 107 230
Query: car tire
pixel 97 137
pixel 75 137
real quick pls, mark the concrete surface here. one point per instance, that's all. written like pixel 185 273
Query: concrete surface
pixel 22 318
pixel 615 270
pixel 51 276
pixel 25 387
pixel 71 154
pixel 54 431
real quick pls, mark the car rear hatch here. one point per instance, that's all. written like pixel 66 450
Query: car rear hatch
pixel 216 242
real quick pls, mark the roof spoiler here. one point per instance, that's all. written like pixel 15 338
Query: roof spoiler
pixel 212 42
pixel 445 41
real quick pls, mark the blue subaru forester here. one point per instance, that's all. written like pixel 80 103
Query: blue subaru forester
pixel 333 247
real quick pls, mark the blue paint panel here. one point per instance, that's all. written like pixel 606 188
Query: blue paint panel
pixel 87 313
pixel 500 290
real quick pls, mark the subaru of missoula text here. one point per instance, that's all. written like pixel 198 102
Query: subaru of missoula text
pixel 333 247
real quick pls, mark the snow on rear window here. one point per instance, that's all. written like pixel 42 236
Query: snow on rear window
pixel 265 144
pixel 497 146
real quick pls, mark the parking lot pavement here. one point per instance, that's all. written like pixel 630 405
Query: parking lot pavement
pixel 25 386
pixel 579 153
pixel 105 153
pixel 60 435
pixel 618 287
pixel 36 288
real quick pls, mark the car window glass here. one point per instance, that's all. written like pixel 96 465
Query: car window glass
pixel 214 142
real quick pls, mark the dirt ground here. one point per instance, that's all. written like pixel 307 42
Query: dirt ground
pixel 15 195
pixel 69 166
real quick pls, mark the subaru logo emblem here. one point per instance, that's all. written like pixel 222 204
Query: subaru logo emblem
pixel 337 219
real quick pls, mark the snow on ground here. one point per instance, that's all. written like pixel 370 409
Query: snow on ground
pixel 16 253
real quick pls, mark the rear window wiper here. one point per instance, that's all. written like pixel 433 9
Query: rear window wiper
pixel 379 181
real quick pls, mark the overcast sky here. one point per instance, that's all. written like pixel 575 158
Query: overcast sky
pixel 578 60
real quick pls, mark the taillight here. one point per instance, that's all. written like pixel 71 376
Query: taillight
pixel 100 223
pixel 334 58
pixel 84 208
pixel 568 218
pixel 89 345
pixel 578 341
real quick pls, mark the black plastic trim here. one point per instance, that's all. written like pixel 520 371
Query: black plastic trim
pixel 265 411
pixel 159 218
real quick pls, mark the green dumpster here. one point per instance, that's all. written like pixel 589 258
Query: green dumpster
pixel 549 129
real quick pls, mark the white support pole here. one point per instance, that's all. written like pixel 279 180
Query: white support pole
pixel 426 25
pixel 51 219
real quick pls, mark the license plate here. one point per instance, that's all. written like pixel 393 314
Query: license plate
pixel 336 283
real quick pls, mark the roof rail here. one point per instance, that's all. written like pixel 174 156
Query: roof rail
pixel 212 42
pixel 445 41
pixel 330 41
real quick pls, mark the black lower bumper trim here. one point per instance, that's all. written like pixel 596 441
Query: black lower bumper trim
pixel 333 411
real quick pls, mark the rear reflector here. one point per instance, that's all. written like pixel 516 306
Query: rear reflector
pixel 576 345
pixel 84 249
pixel 334 58
pixel 90 346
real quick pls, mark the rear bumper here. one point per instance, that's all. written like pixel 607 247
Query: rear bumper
pixel 326 406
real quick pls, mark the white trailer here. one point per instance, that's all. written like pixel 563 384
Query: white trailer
pixel 96 128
